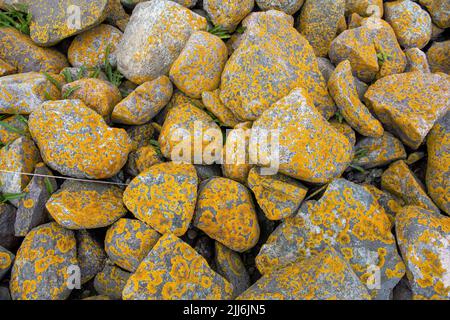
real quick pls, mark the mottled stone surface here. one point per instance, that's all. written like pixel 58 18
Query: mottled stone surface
pixel 439 57
pixel 111 281
pixel 173 271
pixel 287 6
pixel 7 136
pixel 142 159
pixel 390 203
pixel 416 60
pixel 211 101
pixel 43 263
pixel 364 8
pixel 439 11
pixel 90 255
pixel 6 261
pixel 345 129
pixel 6 68
pixel 7 217
pixel 227 13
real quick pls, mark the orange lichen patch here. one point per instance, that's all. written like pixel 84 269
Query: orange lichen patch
pixel 279 196
pixel 438 166
pixel 438 10
pixel 439 57
pixel 390 204
pixel 128 241
pixel 76 141
pixel 212 102
pixel 7 136
pixel 199 66
pixel 399 180
pixel 90 255
pixel 173 270
pixel 343 90
pixel 111 281
pixel 89 48
pixel 271 60
pixel 6 68
pixel 411 23
pixel 416 60
pixel 82 205
pixel 22 93
pixel 41 269
pixel 226 213
pixel 379 151
pixel 348 218
pixel 319 21
pixel 345 129
pixel 164 197
pixel 142 159
pixel 99 95
pixel 6 261
pixel 408 104
pixel 364 8
pixel 423 237
pixel 309 148
pixel 143 103
pixel 22 53
pixel 324 276
pixel 227 13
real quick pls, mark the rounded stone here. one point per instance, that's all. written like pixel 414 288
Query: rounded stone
pixel 439 11
pixel 6 261
pixel 228 13
pixel 287 6
pixel 111 281
pixel 438 56
pixel 416 60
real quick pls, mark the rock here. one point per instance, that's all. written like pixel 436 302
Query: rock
pixel 90 255
pixel 144 103
pixel 423 240
pixel 20 51
pixel 417 61
pixel 4 294
pixel 343 90
pixel 410 22
pixel 23 93
pixel 167 26
pixel 399 180
pixel 74 140
pixel 438 165
pixel 44 264
pixel 7 136
pixel 74 74
pixel 6 69
pixel 83 205
pixel 391 204
pixel 199 66
pixel 279 196
pixel 173 270
pixel 439 11
pixel 204 172
pixel 345 129
pixel 31 208
pixel 7 217
pixel 410 119
pixel 364 8
pixel 379 152
pixel 211 101
pixel 99 95
pixel 111 281
pixel 140 135
pixel 310 149
pixel 164 197
pixel 230 266
pixel 229 13
pixel 90 47
pixel 438 57
pixel 324 276
pixel 117 15
pixel 226 213
pixel 287 6
pixel 142 159
pixel 128 241
pixel 6 261
pixel 319 21
pixel 259 72
pixel 348 218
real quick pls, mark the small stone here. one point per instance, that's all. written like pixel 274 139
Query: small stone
pixel 345 129
pixel 6 68
pixel 128 241
pixel 174 271
pixel 417 61
pixel 423 240
pixel 7 136
pixel 74 140
pixel 399 180
pixel 364 8
pixel 140 135
pixel 411 23
pixel 226 213
pixel 438 57
pixel 228 13
pixel 111 281
pixel 391 204
pixel 204 172
pixel 164 197
pixel 439 11
pixel 117 15
pixel 6 261
pixel 8 240
pixel 211 101
pixel 287 6
pixel 43 263
pixel 144 103
pixel 83 205
pixel 90 47
pixel 90 255
pixel 142 159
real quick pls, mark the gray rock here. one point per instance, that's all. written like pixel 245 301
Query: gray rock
pixel 288 6
pixel 111 281
pixel 6 261
pixel 90 255
pixel 8 240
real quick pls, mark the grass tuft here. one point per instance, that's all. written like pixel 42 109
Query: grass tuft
pixel 113 75
pixel 220 32
pixel 16 16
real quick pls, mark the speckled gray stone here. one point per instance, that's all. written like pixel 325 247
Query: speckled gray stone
pixel 90 255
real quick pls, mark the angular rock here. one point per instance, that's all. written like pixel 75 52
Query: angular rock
pixel 6 261
pixel 211 101
pixel 438 57
pixel 417 60
pixel 391 204
pixel 7 217
pixel 111 281
pixel 287 6
pixel 90 255
pixel 228 13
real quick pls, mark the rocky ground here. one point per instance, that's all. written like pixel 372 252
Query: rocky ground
pixel 93 204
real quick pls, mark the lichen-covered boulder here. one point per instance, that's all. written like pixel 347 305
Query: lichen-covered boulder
pixel 279 196
pixel 391 204
pixel 319 21
pixel 200 64
pixel 8 240
pixel 416 60
pixel 343 90
pixel 174 270
pixel 89 48
pixel 20 128
pixel 226 213
pixel 438 56
pixel 423 238
pixel 287 6
pixel 117 15
pixel 410 22
pixel 166 26
pixel 364 8
pixel 43 264
pixel 128 241
pixel 6 261
pixel 439 11
pixel 348 218
pixel 141 105
pixel 410 116
pixel 324 276
pixel 228 13
pixel 90 255
pixel 142 159
pixel 23 93
pixel 211 101
pixel 111 281
pixel 345 129
pixel 83 205
pixel 271 60
pixel 399 180
pixel 21 52
pixel 309 148
pixel 75 140
pixel 6 68
pixel 438 165
pixel 164 197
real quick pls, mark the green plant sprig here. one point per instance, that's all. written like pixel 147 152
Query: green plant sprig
pixel 16 16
